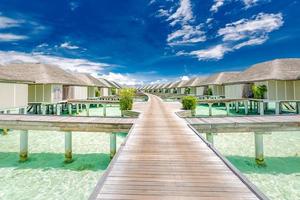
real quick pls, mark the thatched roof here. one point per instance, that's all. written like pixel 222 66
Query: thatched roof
pixel 159 86
pixel 174 84
pixel 194 82
pixel 219 78
pixel 166 85
pixel 39 73
pixel 89 80
pixel 105 82
pixel 279 69
pixel 182 84
pixel 114 84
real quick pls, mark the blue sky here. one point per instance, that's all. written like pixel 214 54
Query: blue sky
pixel 141 41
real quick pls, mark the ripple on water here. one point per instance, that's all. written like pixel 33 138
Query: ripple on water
pixel 45 175
pixel 280 178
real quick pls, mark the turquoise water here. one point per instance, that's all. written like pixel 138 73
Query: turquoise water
pixel 280 178
pixel 111 111
pixel 202 110
pixel 45 175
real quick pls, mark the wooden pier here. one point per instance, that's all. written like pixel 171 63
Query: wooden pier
pixel 163 158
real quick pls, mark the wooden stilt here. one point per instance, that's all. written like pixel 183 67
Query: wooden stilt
pixel 113 144
pixel 68 147
pixel 246 107
pixel 277 108
pixel 261 108
pixel 104 110
pixel 210 109
pixel 259 148
pixel 23 145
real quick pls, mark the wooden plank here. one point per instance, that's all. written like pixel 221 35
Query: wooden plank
pixel 66 123
pixel 163 158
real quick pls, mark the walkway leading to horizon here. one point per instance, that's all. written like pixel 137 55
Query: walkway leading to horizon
pixel 164 159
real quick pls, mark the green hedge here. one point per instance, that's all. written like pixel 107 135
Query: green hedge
pixel 126 98
pixel 259 91
pixel 189 103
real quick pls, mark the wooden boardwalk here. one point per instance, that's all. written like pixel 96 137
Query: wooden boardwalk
pixel 246 124
pixel 164 159
pixel 66 123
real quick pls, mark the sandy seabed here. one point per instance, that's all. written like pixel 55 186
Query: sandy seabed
pixel 45 175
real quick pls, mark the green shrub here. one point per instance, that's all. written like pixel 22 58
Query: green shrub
pixel 97 94
pixel 189 103
pixel 113 91
pixel 126 98
pixel 259 91
pixel 187 91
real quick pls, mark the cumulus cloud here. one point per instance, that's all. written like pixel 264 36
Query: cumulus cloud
pixel 123 79
pixel 188 32
pixel 239 34
pixel 68 45
pixel 79 65
pixel 261 25
pixel 184 78
pixel 213 53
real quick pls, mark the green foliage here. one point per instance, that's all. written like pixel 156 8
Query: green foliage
pixel 189 103
pixel 259 91
pixel 209 91
pixel 97 93
pixel 187 91
pixel 126 98
pixel 113 91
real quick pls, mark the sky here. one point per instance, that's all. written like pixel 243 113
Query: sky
pixel 149 41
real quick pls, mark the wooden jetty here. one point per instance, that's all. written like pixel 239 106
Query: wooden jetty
pixel 66 125
pixel 163 158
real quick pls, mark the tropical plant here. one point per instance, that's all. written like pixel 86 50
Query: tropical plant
pixel 97 93
pixel 113 91
pixel 209 91
pixel 189 103
pixel 187 91
pixel 126 98
pixel 259 91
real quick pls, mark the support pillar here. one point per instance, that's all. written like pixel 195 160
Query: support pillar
pixel 259 148
pixel 237 107
pixel 44 109
pixel 23 145
pixel 87 106
pixel 70 109
pixel 246 107
pixel 277 108
pixel 251 107
pixel 227 108
pixel 104 110
pixel 210 138
pixel 5 131
pixel 77 108
pixel 113 144
pixel 68 147
pixel 210 109
pixel 261 108
pixel 58 109
pixel 298 107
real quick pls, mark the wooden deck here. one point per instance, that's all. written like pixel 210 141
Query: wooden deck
pixel 246 124
pixel 65 123
pixel 163 158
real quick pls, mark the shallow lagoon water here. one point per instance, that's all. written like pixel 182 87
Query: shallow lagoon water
pixel 280 178
pixel 45 175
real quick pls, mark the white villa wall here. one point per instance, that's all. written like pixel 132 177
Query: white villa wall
pixel 13 95
pixel 181 90
pixel 49 93
pixel 234 91
pixel 104 91
pixel 79 92
pixel 218 90
pixel 199 91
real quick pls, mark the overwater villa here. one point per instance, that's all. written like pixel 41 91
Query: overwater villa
pixel 14 92
pixel 216 82
pixel 281 78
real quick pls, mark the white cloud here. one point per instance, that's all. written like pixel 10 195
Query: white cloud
pixel 217 4
pixel 68 45
pixel 123 79
pixel 162 13
pixel 183 14
pixel 251 42
pixel 79 65
pixel 259 25
pixel 8 37
pixel 188 34
pixel 213 53
pixel 6 22
pixel 184 78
